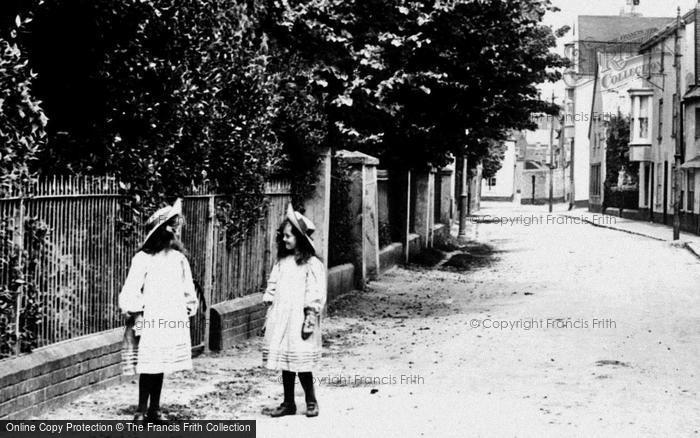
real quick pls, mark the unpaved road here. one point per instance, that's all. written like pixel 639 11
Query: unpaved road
pixel 601 338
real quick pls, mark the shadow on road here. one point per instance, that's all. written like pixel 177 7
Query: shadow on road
pixel 465 257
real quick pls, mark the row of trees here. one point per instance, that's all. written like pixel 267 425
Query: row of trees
pixel 163 93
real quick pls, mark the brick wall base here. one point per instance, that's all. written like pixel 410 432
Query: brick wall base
pixel 390 256
pixel 541 201
pixel 441 230
pixel 341 280
pixel 415 245
pixel 54 375
pixel 234 321
pixel 497 198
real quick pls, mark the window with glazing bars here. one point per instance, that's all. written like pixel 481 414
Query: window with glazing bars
pixel 691 190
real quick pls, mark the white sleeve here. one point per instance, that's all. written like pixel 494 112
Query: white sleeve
pixel 271 288
pixel 315 295
pixel 191 300
pixel 131 295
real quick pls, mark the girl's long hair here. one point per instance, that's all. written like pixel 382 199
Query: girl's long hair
pixel 163 239
pixel 303 252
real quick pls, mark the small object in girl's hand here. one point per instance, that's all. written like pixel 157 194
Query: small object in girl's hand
pixel 309 324
pixel 138 323
pixel 134 320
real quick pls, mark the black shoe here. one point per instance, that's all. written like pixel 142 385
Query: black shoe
pixel 140 417
pixel 312 409
pixel 284 409
pixel 155 416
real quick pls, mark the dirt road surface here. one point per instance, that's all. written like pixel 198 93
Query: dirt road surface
pixel 547 329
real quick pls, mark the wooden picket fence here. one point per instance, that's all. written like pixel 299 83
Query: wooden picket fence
pixel 86 255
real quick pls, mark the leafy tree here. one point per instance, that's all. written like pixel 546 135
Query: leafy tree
pixel 22 120
pixel 616 160
pixel 22 137
pixel 492 161
pixel 406 80
pixel 617 150
pixel 163 93
pixel 160 93
pixel 300 125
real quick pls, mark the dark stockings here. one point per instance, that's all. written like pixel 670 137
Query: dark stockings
pixel 288 384
pixel 307 382
pixel 155 392
pixel 144 386
pixel 150 385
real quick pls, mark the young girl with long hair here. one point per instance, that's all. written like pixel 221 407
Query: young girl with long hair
pixel 296 294
pixel 158 298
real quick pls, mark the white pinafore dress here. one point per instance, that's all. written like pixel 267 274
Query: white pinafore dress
pixel 292 288
pixel 161 286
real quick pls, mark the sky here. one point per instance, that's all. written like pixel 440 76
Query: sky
pixel 570 9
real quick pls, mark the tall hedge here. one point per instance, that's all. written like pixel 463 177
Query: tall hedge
pixel 22 136
pixel 22 121
pixel 161 93
pixel 168 93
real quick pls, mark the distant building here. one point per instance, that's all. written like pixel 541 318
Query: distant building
pixel 606 40
pixel 655 108
pixel 535 158
pixel 611 88
pixel 524 175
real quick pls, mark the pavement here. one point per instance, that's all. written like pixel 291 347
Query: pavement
pixel 651 230
pixel 648 229
pixel 540 327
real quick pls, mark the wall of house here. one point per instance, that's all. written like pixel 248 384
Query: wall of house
pixel 595 151
pixel 582 114
pixel 692 132
pixel 663 140
pixel 542 186
pixel 612 97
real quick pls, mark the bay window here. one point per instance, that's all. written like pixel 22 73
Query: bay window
pixel 640 117
pixel 643 117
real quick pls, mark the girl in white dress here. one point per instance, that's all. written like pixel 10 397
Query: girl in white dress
pixel 296 294
pixel 159 295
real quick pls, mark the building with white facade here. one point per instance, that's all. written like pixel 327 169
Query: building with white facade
pixel 617 38
pixel 664 110
pixel 613 83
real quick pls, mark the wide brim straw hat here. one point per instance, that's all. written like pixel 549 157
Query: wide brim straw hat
pixel 161 217
pixel 303 224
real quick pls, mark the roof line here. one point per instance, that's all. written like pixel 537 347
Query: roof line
pixel 622 16
pixel 687 18
pixel 609 42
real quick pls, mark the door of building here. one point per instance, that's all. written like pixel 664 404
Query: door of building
pixel 651 189
pixel 665 190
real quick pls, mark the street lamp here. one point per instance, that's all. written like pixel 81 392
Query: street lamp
pixel 551 162
pixel 463 201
